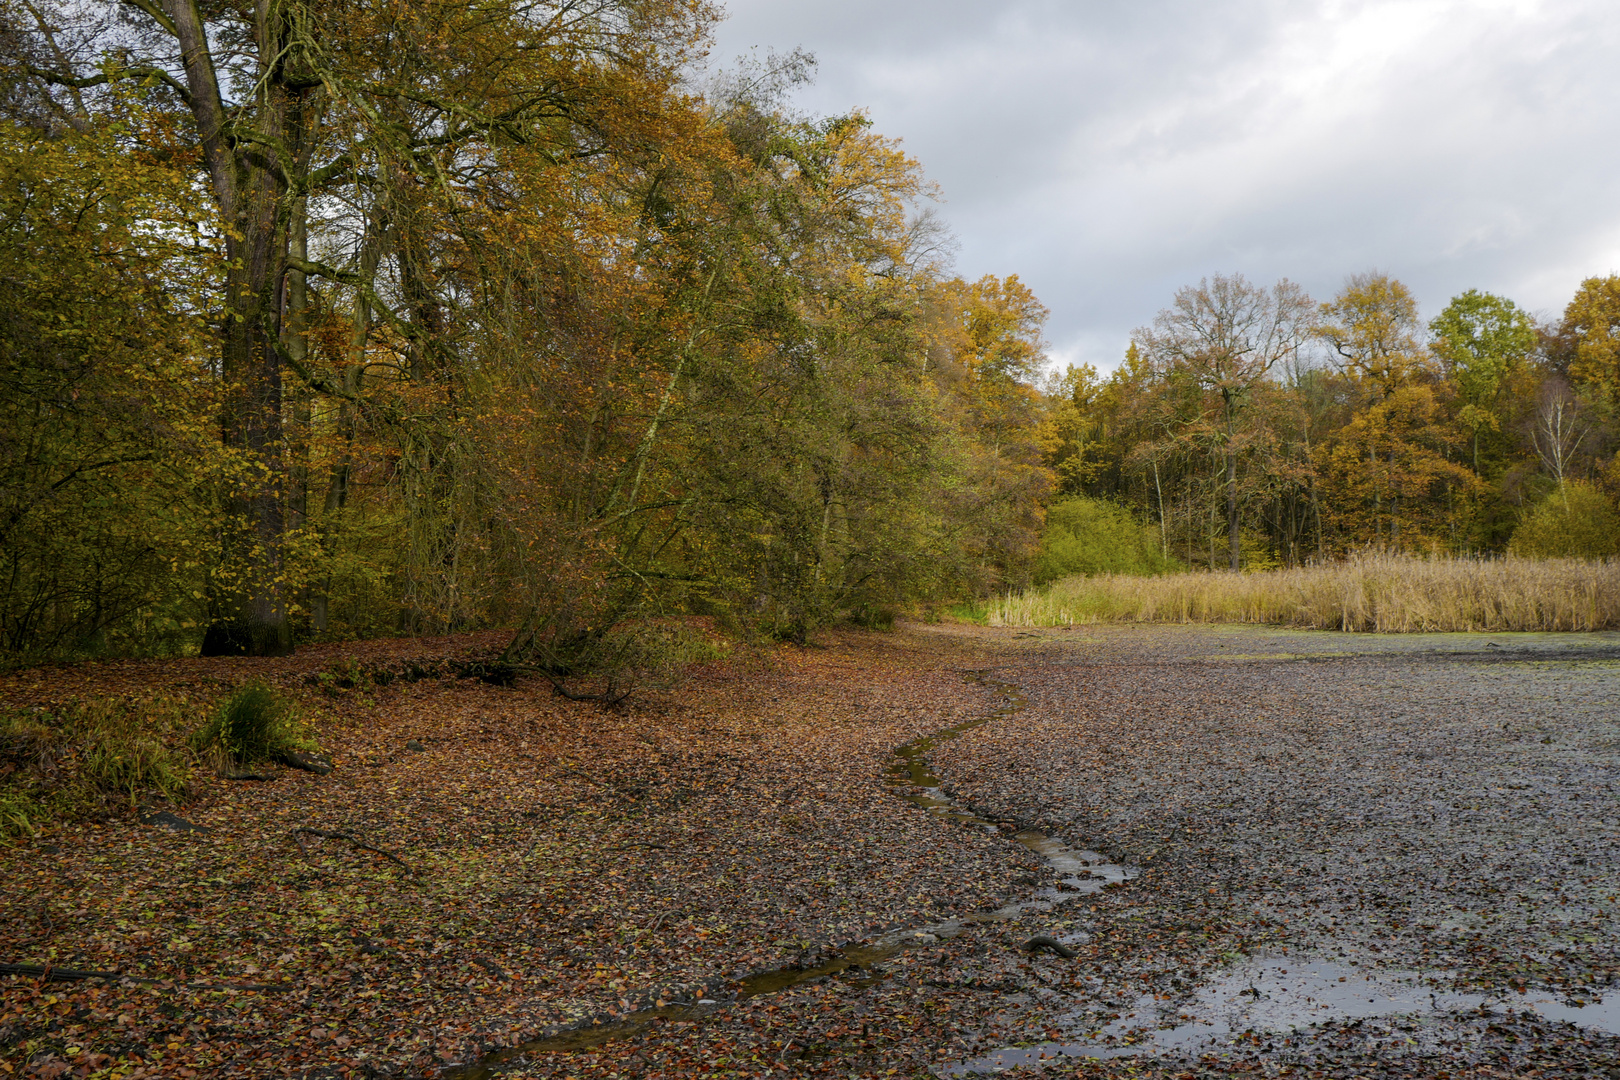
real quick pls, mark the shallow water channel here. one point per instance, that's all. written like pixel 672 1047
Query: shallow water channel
pixel 1079 872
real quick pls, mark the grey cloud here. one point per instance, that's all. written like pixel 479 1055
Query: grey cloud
pixel 1108 153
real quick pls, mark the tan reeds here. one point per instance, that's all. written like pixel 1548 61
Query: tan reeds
pixel 1371 592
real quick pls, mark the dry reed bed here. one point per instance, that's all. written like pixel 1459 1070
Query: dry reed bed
pixel 1372 592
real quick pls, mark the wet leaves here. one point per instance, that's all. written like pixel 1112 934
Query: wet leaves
pixel 1359 808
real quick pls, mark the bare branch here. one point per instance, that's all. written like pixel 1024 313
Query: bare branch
pixel 156 14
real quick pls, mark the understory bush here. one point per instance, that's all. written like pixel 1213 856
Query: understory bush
pixel 1575 521
pixel 1094 536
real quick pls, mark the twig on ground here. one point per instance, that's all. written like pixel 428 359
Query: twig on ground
pixel 338 834
pixel 49 973
pixel 653 929
pixel 246 774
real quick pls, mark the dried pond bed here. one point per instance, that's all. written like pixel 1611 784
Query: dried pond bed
pixel 1445 805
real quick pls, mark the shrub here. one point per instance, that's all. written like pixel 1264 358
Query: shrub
pixel 1575 521
pixel 874 616
pixel 1093 536
pixel 254 724
pixel 609 664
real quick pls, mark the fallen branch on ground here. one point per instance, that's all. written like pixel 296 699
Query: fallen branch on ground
pixel 56 974
pixel 1051 944
pixel 246 774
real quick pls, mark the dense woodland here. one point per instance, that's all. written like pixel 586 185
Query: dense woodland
pixel 345 317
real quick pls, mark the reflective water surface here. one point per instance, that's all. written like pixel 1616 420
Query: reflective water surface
pixel 1279 994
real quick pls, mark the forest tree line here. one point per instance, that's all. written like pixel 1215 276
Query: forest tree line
pixel 352 317
pixel 1254 427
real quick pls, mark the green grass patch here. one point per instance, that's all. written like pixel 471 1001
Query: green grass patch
pixel 90 759
pixel 971 611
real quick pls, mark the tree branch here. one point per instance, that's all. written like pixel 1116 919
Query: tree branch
pixel 58 78
pixel 156 14
pixel 184 21
pixel 359 283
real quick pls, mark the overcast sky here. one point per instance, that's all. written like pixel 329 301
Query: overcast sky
pixel 1109 151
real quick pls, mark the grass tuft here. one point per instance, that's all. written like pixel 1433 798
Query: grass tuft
pixel 254 724
pixel 1384 593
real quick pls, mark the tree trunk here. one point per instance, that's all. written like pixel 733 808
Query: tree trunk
pixel 1378 498
pixel 1232 511
pixel 1231 489
pixel 1164 529
pixel 1213 530
pixel 249 612
pixel 248 177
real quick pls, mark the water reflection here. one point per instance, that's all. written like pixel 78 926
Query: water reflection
pixel 1279 994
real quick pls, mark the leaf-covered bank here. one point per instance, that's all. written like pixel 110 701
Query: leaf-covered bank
pixel 483 864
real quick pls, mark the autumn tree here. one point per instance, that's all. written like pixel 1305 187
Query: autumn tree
pixel 1390 468
pixel 1480 339
pixel 294 102
pixel 1592 325
pixel 985 354
pixel 1075 435
pixel 1390 474
pixel 1225 336
pixel 1372 328
pixel 106 452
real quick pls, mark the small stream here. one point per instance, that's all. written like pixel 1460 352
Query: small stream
pixel 1079 871
pixel 1271 993
pixel 910 777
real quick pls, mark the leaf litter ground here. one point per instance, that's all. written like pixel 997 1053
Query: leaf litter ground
pixel 1282 794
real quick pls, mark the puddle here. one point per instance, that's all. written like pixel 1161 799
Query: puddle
pixel 1280 994
pixel 910 777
